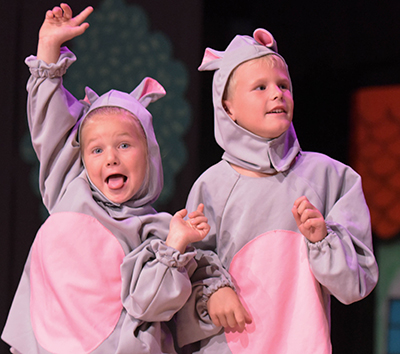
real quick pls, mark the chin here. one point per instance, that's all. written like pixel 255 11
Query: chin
pixel 117 199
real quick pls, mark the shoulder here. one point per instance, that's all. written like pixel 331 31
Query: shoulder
pixel 323 161
pixel 214 185
pixel 219 172
pixel 314 166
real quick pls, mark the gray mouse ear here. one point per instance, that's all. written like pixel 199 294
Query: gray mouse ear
pixel 264 37
pixel 211 60
pixel 91 96
pixel 149 90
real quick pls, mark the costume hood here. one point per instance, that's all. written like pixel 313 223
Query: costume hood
pixel 149 90
pixel 242 147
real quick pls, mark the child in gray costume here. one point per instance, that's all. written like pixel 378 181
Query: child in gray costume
pixel 105 270
pixel 292 227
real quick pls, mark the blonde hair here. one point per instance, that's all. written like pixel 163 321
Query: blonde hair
pixel 273 60
pixel 112 110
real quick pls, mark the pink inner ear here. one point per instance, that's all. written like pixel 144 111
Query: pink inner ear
pixel 86 99
pixel 209 56
pixel 263 37
pixel 151 86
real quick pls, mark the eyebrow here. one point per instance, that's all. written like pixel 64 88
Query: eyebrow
pixel 119 135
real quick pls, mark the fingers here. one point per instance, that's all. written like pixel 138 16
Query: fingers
pixel 64 12
pixel 226 310
pixel 235 319
pixel 303 210
pixel 198 211
pixel 49 15
pixel 67 12
pixel 57 12
pixel 224 320
pixel 83 15
pixel 201 224
pixel 181 213
pixel 200 208
pixel 301 203
pixel 309 219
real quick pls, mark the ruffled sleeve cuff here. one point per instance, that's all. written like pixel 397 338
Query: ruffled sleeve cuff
pixel 212 288
pixel 170 256
pixel 325 242
pixel 39 68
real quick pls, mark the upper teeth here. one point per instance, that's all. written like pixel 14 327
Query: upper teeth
pixel 277 111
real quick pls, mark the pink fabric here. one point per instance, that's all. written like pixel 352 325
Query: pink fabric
pixel 277 287
pixel 151 86
pixel 75 283
pixel 209 55
pixel 263 37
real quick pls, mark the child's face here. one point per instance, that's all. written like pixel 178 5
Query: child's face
pixel 259 99
pixel 114 150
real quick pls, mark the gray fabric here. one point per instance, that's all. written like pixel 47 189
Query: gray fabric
pixel 240 208
pixel 150 269
pixel 242 147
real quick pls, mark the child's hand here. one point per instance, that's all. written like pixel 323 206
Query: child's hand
pixel 226 310
pixel 58 27
pixel 309 220
pixel 183 232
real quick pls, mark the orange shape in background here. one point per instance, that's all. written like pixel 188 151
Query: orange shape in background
pixel 375 154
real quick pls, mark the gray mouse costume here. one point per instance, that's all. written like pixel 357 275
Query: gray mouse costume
pixel 99 277
pixel 283 280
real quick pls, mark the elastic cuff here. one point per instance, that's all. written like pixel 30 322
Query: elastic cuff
pixel 222 283
pixel 170 256
pixel 39 68
pixel 323 243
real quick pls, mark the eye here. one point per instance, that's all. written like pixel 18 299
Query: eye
pixel 97 151
pixel 124 146
pixel 261 88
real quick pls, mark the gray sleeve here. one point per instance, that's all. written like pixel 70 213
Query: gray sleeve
pixel 193 322
pixel 52 117
pixel 156 280
pixel 344 262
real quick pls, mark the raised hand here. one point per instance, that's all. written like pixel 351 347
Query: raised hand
pixel 309 219
pixel 183 232
pixel 58 27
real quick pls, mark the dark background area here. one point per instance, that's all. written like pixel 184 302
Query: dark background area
pixel 332 49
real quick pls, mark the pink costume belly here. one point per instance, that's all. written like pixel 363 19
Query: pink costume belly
pixel 75 283
pixel 277 287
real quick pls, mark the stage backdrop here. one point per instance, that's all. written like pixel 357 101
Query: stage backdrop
pixel 375 154
pixel 333 49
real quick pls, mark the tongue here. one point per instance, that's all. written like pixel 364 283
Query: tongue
pixel 115 182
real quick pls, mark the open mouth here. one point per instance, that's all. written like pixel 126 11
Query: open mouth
pixel 116 181
pixel 276 111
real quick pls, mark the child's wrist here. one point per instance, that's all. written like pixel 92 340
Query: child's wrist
pixel 176 244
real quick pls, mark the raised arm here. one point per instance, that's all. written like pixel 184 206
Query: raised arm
pixel 58 27
pixel 52 111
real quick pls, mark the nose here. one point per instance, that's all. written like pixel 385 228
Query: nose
pixel 112 158
pixel 277 92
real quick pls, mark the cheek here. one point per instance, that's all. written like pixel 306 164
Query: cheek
pixel 91 168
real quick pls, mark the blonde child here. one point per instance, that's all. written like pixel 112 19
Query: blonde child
pixel 292 227
pixel 105 270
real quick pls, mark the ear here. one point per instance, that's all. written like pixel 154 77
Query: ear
pixel 149 90
pixel 91 96
pixel 211 59
pixel 265 38
pixel 226 104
